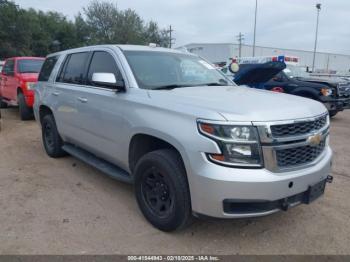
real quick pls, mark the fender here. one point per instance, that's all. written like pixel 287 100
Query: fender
pixel 163 136
pixel 306 92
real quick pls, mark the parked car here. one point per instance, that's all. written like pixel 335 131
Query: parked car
pixel 1 65
pixel 190 140
pixel 290 79
pixel 18 78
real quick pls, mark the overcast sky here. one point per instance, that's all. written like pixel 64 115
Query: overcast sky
pixel 281 23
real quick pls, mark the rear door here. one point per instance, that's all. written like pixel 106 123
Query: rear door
pixel 67 89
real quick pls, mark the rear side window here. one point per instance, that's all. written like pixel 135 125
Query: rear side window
pixel 103 62
pixel 74 69
pixel 47 68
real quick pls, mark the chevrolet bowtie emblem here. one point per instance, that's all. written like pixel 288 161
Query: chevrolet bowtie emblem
pixel 315 140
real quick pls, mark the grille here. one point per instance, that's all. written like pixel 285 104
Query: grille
pixel 300 128
pixel 298 155
pixel 344 89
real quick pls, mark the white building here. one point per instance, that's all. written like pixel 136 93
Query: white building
pixel 222 52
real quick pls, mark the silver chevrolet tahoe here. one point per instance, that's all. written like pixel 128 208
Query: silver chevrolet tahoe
pixel 191 141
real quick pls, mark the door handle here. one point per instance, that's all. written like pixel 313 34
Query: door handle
pixel 56 93
pixel 82 99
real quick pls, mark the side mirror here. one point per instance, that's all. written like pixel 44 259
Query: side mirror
pixel 107 80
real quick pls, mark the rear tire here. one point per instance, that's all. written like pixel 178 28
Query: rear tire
pixel 25 112
pixel 2 103
pixel 162 190
pixel 51 139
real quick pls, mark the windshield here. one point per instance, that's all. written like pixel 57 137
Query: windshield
pixel 30 65
pixel 295 71
pixel 161 70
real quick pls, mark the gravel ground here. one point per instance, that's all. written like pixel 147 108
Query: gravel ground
pixel 63 206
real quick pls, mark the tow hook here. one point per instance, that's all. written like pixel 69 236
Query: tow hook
pixel 329 179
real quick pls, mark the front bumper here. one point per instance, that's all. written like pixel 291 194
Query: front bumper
pixel 212 186
pixel 29 97
pixel 337 104
pixel 29 100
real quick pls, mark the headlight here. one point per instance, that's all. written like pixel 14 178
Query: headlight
pixel 326 91
pixel 239 145
pixel 30 85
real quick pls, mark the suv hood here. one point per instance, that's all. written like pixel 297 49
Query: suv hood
pixel 236 103
pixel 29 77
pixel 258 73
pixel 314 79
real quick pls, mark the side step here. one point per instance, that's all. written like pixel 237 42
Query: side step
pixel 100 164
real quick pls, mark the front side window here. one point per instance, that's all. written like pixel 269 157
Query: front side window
pixel 295 71
pixel 103 62
pixel 47 68
pixel 157 70
pixel 74 69
pixel 29 65
pixel 9 68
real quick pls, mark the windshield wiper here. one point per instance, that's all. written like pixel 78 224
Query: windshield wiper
pixel 167 87
pixel 214 84
pixel 172 86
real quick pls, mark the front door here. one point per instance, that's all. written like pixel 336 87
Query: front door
pixel 278 83
pixel 100 114
pixel 9 81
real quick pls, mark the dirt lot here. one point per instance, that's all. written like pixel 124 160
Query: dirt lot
pixel 64 206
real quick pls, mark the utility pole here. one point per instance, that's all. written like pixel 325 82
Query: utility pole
pixel 318 7
pixel 256 13
pixel 240 39
pixel 171 39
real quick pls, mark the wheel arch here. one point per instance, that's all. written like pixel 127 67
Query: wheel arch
pixel 143 143
pixel 43 111
pixel 19 90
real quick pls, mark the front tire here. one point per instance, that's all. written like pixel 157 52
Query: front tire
pixel 52 141
pixel 25 112
pixel 333 113
pixel 162 190
pixel 2 103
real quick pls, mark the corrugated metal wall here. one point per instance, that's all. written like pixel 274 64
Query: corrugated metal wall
pixel 217 52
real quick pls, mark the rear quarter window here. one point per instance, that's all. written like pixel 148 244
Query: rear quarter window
pixel 47 68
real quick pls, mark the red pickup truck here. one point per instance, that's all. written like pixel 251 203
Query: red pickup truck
pixel 18 77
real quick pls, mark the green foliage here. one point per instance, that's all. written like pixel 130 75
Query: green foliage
pixel 36 33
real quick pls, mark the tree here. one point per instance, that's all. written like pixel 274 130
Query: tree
pixel 37 33
pixel 101 19
pixel 108 24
